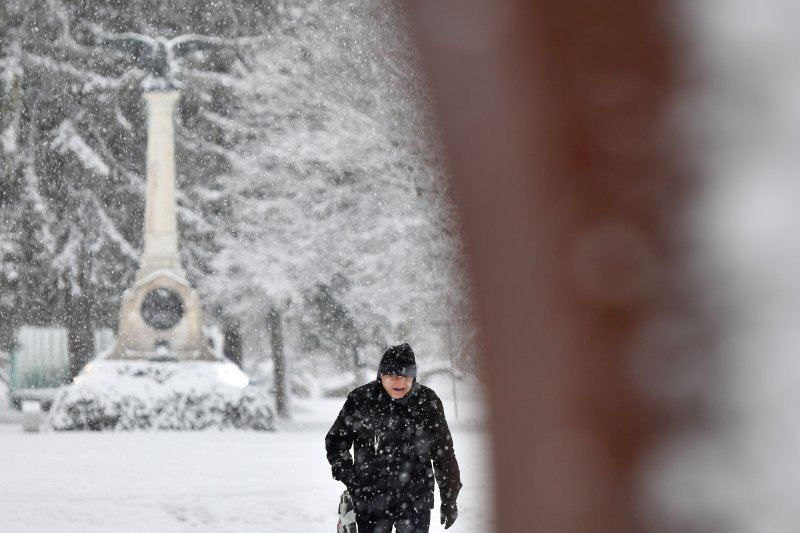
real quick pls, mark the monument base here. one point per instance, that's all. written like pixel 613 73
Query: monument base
pixel 161 320
pixel 129 395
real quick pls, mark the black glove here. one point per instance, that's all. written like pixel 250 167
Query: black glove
pixel 449 513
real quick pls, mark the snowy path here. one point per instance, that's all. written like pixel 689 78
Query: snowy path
pixel 163 482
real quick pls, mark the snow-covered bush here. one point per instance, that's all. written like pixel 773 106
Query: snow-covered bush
pixel 160 395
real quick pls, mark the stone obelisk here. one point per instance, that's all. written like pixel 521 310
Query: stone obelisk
pixel 160 225
pixel 161 316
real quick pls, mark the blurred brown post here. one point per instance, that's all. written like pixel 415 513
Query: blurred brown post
pixel 553 115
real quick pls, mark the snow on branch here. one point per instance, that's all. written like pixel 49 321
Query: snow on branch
pixel 121 120
pixel 58 9
pixel 90 80
pixel 110 229
pixel 186 39
pixel 219 78
pixel 66 261
pixel 107 155
pixel 8 139
pixel 67 139
pixel 9 65
pixel 195 143
pixel 5 367
pixel 39 205
pixel 228 124
pixel 190 217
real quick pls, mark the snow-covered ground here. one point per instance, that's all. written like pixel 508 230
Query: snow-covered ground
pixel 215 481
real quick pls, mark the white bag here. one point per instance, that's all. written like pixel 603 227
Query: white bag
pixel 347 514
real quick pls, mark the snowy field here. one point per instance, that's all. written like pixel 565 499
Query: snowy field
pixel 215 481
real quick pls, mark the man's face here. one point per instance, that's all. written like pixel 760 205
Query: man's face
pixel 396 386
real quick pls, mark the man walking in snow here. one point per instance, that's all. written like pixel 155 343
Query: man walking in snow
pixel 400 442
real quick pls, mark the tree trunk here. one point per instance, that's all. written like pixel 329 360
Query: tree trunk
pixel 232 344
pixel 80 327
pixel 276 340
pixel 358 371
pixel 80 332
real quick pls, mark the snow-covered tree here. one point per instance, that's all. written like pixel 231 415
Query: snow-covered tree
pixel 338 218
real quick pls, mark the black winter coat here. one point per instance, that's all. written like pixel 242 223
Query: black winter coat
pixel 398 446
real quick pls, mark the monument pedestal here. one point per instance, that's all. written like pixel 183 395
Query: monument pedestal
pixel 161 319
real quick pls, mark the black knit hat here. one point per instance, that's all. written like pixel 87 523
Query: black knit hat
pixel 398 361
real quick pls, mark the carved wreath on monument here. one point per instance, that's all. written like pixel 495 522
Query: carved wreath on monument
pixel 162 308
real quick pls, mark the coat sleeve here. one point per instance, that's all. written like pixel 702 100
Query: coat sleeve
pixel 445 465
pixel 338 442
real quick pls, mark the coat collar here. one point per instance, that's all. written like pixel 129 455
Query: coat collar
pixel 384 396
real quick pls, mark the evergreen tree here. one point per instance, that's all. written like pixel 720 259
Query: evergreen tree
pixel 339 215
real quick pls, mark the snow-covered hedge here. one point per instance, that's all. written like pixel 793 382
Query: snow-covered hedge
pixel 129 395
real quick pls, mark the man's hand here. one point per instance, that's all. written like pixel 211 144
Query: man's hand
pixel 449 511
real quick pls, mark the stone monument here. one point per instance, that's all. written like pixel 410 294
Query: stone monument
pixel 161 374
pixel 161 315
